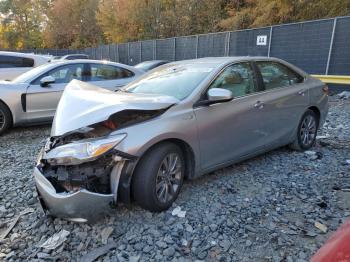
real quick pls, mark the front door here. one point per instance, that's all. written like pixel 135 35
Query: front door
pixel 41 102
pixel 231 129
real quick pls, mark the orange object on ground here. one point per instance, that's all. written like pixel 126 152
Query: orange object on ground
pixel 337 248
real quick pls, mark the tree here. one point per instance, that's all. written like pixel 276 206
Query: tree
pixel 130 20
pixel 23 22
pixel 243 14
pixel 85 23
pixel 72 24
pixel 118 19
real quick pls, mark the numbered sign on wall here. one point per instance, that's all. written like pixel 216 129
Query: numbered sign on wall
pixel 261 40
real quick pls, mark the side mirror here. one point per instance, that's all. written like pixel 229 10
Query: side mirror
pixel 217 95
pixel 46 80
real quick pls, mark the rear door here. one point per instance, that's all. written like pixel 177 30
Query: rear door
pixel 231 129
pixel 41 102
pixel 283 102
pixel 109 76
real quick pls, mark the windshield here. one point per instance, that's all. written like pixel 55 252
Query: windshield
pixel 29 75
pixel 177 80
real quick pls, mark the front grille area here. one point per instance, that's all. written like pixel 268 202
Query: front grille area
pixel 93 176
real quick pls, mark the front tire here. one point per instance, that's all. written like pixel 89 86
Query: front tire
pixel 307 132
pixel 158 177
pixel 5 118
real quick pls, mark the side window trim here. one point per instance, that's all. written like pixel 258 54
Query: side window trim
pixel 131 73
pixel 258 78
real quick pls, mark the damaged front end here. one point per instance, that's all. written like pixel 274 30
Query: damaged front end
pixel 78 179
pixel 78 171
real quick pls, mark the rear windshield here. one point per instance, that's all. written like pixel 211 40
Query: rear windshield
pixel 177 80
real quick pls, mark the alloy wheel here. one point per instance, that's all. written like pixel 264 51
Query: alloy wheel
pixel 168 178
pixel 308 130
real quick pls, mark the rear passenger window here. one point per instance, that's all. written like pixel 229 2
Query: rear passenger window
pixel 100 72
pixel 238 78
pixel 7 61
pixel 276 75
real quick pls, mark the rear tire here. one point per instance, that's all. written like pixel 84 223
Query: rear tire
pixel 158 177
pixel 307 132
pixel 5 118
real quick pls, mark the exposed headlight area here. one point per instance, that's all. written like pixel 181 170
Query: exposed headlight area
pixel 77 174
pixel 75 153
pixel 85 164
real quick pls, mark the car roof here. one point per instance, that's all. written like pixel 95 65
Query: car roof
pixel 91 61
pixel 154 61
pixel 225 59
pixel 75 54
pixel 85 61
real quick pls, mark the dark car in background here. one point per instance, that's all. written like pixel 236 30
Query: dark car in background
pixel 69 57
pixel 74 56
pixel 149 65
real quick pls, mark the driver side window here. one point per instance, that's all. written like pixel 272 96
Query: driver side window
pixel 238 78
pixel 64 74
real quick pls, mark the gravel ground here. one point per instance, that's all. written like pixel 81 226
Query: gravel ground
pixel 264 209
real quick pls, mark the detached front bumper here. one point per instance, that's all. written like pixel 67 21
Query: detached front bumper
pixel 80 206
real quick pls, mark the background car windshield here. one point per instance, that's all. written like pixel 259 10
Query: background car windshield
pixel 174 80
pixel 29 75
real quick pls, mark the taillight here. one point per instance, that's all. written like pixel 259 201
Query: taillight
pixel 110 124
pixel 325 90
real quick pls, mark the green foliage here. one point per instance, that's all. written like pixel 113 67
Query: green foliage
pixel 22 23
pixel 72 24
pixel 84 23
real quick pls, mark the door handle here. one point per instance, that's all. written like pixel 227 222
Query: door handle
pixel 302 93
pixel 259 105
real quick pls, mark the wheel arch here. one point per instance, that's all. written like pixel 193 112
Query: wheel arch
pixel 9 109
pixel 317 113
pixel 124 189
pixel 186 150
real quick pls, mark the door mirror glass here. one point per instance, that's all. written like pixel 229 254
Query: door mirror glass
pixel 45 81
pixel 216 95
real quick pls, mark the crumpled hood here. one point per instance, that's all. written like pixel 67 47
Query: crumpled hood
pixel 83 104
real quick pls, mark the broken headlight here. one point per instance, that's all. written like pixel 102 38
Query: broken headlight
pixel 82 151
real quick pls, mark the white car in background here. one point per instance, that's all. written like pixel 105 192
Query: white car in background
pixel 33 96
pixel 13 64
pixel 70 57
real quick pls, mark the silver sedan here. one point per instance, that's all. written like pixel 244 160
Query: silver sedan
pixel 33 96
pixel 177 122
